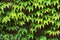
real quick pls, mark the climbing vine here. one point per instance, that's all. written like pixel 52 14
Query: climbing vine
pixel 29 19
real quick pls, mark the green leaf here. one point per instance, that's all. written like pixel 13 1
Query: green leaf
pixel 29 35
pixel 55 2
pixel 33 30
pixel 42 38
pixel 12 28
pixel 50 32
pixel 53 39
pixel 39 20
pixel 5 19
pixel 23 38
pixel 28 18
pixel 29 8
pixel 22 31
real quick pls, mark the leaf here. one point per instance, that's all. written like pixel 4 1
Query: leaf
pixel 58 6
pixel 53 39
pixel 32 30
pixel 28 18
pixel 50 32
pixel 23 38
pixel 21 15
pixel 12 28
pixel 39 13
pixel 12 14
pixel 29 35
pixel 30 8
pixel 5 19
pixel 6 37
pixel 46 21
pixel 39 20
pixel 1 35
pixel 18 7
pixel 48 2
pixel 57 23
pixel 42 38
pixel 40 1
pixel 25 3
pixel 55 2
pixel 21 23
pixel 38 5
pixel 22 31
pixel 39 26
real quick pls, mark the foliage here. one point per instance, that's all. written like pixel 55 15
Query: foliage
pixel 21 19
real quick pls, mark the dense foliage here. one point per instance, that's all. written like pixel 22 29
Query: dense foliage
pixel 29 19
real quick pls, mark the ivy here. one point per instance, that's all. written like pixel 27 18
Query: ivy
pixel 29 19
